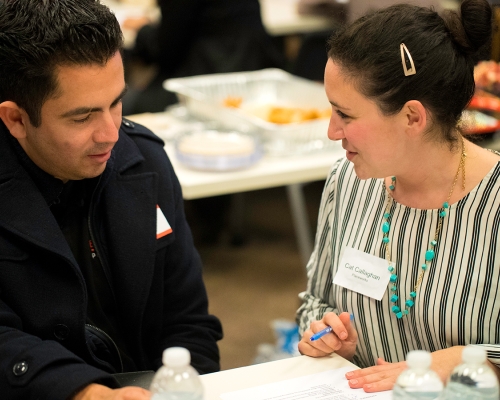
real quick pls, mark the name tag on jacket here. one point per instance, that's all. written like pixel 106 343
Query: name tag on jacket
pixel 162 226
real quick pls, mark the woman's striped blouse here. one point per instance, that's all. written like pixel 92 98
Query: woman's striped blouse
pixel 458 302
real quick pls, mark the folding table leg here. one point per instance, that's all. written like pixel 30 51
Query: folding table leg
pixel 300 220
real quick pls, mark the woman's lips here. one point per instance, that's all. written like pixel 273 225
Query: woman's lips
pixel 350 155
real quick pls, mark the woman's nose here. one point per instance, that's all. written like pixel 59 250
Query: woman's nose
pixel 335 132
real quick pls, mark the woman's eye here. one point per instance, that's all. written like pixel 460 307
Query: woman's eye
pixel 342 115
pixel 81 121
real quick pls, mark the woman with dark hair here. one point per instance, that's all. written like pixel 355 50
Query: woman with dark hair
pixel 408 225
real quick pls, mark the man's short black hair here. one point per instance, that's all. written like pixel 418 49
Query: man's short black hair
pixel 37 36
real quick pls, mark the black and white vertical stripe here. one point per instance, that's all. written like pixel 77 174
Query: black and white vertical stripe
pixel 458 302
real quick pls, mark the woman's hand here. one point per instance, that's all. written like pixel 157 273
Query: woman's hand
pixel 378 378
pixel 342 340
pixel 100 392
pixel 383 375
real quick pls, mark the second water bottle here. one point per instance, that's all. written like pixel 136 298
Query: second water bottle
pixel 473 379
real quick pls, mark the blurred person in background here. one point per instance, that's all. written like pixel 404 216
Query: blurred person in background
pixel 197 37
pixel 358 8
pixel 312 55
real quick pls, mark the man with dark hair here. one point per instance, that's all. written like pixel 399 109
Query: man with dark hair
pixel 98 272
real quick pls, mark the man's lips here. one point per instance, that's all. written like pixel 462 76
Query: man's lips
pixel 101 157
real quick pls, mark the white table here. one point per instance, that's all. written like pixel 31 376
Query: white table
pixel 269 172
pixel 255 375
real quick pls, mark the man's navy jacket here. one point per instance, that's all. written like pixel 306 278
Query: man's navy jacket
pixel 158 285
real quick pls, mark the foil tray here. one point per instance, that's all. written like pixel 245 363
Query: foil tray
pixel 204 98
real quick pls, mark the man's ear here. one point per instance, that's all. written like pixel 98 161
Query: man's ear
pixel 415 117
pixel 14 118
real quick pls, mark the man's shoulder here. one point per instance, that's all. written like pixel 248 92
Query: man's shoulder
pixel 137 131
pixel 138 146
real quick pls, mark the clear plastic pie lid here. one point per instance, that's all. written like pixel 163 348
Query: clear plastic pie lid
pixel 217 150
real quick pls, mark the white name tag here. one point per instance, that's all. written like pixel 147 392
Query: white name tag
pixel 162 226
pixel 363 273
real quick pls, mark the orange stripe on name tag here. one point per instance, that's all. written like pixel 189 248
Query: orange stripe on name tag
pixel 162 226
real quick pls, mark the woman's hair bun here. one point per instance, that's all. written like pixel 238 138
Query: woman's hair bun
pixel 471 30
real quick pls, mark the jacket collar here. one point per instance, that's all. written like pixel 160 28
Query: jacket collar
pixel 49 187
pixel 24 207
pixel 125 154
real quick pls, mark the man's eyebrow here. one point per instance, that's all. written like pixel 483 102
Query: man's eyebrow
pixel 87 110
pixel 120 96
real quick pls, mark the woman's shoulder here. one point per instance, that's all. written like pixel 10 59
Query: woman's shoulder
pixel 339 168
pixel 342 177
pixel 484 166
pixel 492 176
pixel 342 166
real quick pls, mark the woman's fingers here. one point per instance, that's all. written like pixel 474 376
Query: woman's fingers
pixel 375 379
pixel 323 346
pixel 307 349
pixel 346 334
pixel 342 333
pixel 330 340
pixel 316 348
pixel 377 386
pixel 352 335
pixel 338 327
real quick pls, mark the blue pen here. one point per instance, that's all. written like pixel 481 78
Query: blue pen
pixel 320 334
pixel 323 332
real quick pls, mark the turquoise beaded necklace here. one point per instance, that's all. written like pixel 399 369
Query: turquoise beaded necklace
pixel 429 254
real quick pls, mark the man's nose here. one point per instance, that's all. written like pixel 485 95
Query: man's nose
pixel 107 132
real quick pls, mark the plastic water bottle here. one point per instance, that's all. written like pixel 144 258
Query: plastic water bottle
pixel 176 379
pixel 473 379
pixel 418 381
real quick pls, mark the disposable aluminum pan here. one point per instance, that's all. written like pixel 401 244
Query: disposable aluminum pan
pixel 204 97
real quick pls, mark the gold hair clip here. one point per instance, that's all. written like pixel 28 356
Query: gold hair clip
pixel 412 70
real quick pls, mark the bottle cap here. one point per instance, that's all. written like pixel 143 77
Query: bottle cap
pixel 474 355
pixel 419 359
pixel 176 357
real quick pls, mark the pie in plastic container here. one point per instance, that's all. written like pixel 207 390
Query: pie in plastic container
pixel 217 150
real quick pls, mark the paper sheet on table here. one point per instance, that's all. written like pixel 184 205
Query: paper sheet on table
pixel 327 385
